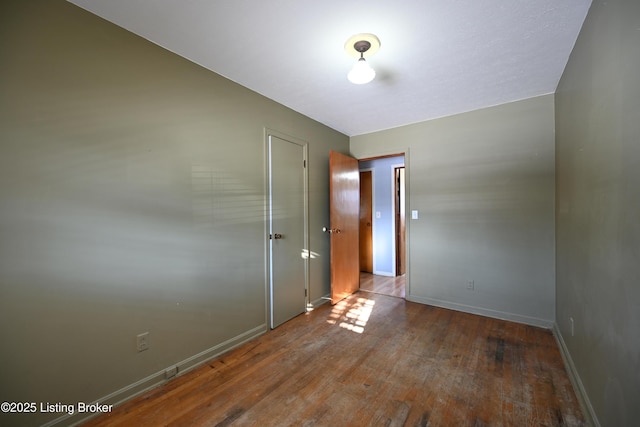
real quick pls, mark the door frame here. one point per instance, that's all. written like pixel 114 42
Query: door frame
pixel 267 218
pixel 399 211
pixel 394 255
pixel 373 203
pixel 380 154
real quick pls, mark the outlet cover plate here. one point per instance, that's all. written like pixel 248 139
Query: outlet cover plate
pixel 142 341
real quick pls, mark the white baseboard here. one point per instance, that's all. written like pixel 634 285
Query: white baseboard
pixel 576 382
pixel 154 380
pixel 512 317
pixel 384 273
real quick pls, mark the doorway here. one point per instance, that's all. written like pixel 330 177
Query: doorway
pixel 366 221
pixel 287 228
pixel 400 219
pixel 383 225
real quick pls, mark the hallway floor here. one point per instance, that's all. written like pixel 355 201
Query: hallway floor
pixel 392 286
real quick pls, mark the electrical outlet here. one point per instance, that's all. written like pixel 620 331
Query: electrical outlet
pixel 142 341
pixel 571 325
pixel 171 372
pixel 471 285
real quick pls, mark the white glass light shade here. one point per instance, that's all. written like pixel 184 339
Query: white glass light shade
pixel 361 73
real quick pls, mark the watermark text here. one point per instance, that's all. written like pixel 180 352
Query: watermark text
pixel 56 407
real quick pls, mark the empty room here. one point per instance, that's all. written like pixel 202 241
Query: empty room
pixel 180 213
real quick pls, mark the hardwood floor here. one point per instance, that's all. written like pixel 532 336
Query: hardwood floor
pixel 372 360
pixel 393 286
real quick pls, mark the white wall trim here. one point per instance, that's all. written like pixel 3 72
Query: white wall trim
pixel 533 321
pixel 384 273
pixel 576 382
pixel 154 380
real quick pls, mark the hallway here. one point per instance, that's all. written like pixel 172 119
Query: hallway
pixel 392 286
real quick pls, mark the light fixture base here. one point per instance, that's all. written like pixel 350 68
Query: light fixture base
pixel 361 40
pixel 362 46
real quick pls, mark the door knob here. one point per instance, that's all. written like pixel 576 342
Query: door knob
pixel 276 236
pixel 331 230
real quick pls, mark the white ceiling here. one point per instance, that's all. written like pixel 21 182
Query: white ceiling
pixel 438 57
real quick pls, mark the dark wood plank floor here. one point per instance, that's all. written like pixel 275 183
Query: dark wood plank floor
pixel 372 360
pixel 393 286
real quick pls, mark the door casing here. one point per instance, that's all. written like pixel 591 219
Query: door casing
pixel 400 219
pixel 366 220
pixel 394 223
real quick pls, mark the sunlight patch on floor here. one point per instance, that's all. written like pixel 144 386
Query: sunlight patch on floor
pixel 352 314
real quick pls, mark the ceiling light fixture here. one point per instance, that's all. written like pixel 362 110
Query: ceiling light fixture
pixel 358 45
pixel 361 72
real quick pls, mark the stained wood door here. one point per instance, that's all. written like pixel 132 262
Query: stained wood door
pixel 401 240
pixel 287 219
pixel 344 215
pixel 366 217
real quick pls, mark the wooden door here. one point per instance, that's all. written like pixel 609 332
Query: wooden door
pixel 344 207
pixel 287 230
pixel 401 241
pixel 366 216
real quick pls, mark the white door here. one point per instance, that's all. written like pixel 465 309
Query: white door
pixel 287 229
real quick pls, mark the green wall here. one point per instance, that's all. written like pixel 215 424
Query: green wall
pixel 132 191
pixel 483 185
pixel 598 210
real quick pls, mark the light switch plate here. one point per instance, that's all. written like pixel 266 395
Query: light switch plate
pixel 414 214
